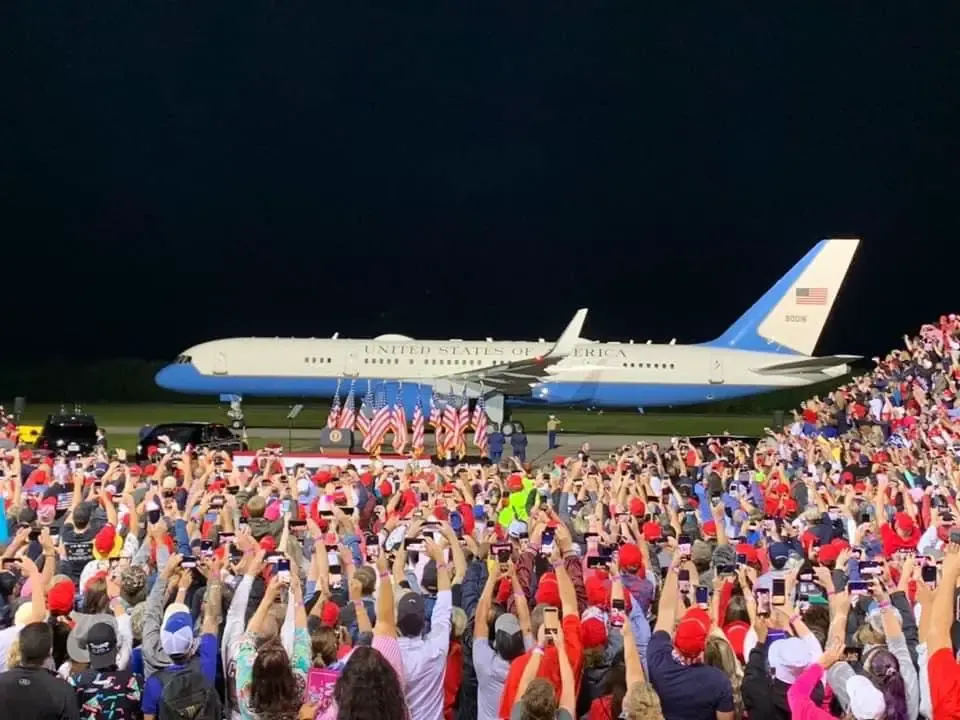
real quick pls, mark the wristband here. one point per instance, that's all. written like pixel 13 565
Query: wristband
pixel 385 574
pixel 358 603
pixel 538 650
pixel 443 566
pixel 884 605
pixel 796 617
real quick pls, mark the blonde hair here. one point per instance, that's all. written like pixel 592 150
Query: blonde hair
pixel 458 623
pixel 642 703
pixel 13 654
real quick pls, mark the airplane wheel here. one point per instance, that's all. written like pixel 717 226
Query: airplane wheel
pixel 237 425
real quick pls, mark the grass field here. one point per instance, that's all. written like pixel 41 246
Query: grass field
pixel 314 416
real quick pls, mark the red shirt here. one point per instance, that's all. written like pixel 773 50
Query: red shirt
pixel 549 665
pixel 944 678
pixel 452 678
pixel 892 541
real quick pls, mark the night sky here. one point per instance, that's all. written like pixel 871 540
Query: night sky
pixel 173 173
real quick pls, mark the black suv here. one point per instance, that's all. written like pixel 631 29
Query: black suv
pixel 68 434
pixel 181 434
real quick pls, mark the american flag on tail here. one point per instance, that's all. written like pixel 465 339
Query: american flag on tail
pixel 379 425
pixel 348 414
pixel 480 425
pixel 334 416
pixel 399 423
pixel 366 408
pixel 418 428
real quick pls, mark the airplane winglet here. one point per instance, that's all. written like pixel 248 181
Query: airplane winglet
pixel 570 336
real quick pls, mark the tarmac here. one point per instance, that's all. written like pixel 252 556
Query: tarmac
pixel 568 443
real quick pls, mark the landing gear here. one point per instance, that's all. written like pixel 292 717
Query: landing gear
pixel 235 413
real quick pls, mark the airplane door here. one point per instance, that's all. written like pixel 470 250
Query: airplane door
pixel 220 364
pixel 350 364
pixel 716 371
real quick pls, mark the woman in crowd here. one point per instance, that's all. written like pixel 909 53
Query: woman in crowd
pixel 270 683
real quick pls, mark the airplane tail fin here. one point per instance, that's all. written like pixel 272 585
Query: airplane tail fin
pixel 790 316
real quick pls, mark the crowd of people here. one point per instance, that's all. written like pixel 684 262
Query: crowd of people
pixel 811 574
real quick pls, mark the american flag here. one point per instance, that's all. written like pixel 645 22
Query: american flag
pixel 348 415
pixel 334 415
pixel 463 422
pixel 418 427
pixel 379 425
pixel 436 417
pixel 399 422
pixel 480 425
pixel 450 424
pixel 811 296
pixel 366 407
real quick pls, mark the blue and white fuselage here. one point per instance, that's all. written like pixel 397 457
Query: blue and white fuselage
pixel 769 347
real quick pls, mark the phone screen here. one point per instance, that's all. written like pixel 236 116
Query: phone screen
pixel 763 602
pixel 929 574
pixel 283 569
pixel 684 546
pixel 702 597
pixel 551 622
pixel 546 541
pixel 779 591
pixel 683 581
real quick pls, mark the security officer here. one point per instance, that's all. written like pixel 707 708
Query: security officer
pixel 495 441
pixel 553 426
pixel 518 441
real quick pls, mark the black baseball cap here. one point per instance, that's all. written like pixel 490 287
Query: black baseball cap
pixel 102 646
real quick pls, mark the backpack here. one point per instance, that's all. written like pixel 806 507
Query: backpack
pixel 186 694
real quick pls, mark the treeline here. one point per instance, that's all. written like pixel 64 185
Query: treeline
pixel 129 380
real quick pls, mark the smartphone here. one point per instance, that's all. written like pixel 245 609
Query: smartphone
pixel 702 597
pixel 491 524
pixel 283 570
pixel 348 510
pixel 869 568
pixel 226 537
pixel 10 563
pixel 741 558
pixel 858 588
pixel 54 533
pixel 34 534
pixel 928 574
pixel 298 527
pixel 373 548
pixel 779 591
pixel 217 501
pixel 763 602
pixel 683 581
pixel 618 615
pixel 502 551
pixel 233 489
pixel 599 561
pixel 684 546
pixel 336 579
pixel 188 561
pixel 551 622
pixel 726 569
pixel 546 541
pixel 413 544
pixel 853 654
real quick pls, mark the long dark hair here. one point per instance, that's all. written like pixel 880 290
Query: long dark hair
pixel 883 669
pixel 369 689
pixel 273 686
pixel 615 685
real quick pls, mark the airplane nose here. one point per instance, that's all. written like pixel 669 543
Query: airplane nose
pixel 167 377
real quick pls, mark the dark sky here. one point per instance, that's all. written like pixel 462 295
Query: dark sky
pixel 171 173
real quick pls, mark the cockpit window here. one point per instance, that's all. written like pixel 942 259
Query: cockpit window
pixel 183 360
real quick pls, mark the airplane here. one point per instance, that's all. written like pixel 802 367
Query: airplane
pixel 769 347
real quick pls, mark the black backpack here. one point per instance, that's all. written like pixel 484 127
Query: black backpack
pixel 186 694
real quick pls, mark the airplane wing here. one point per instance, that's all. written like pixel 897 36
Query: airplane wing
pixel 515 378
pixel 807 365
